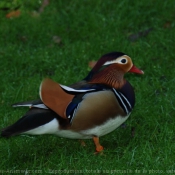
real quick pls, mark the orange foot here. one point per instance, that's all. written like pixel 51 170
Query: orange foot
pixel 99 148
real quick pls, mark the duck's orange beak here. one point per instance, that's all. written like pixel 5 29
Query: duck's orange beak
pixel 136 70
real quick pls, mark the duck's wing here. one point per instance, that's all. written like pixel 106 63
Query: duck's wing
pixel 57 97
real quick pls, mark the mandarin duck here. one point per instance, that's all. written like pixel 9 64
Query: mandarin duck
pixel 91 108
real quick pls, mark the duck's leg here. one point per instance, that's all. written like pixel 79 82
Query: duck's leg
pixel 99 148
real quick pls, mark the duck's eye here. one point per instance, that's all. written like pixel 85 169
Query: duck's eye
pixel 123 61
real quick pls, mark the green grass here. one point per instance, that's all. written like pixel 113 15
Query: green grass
pixel 87 30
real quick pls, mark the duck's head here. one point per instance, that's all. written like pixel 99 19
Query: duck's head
pixel 110 70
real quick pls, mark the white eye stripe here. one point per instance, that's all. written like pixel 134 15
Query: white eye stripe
pixel 118 60
pixel 109 62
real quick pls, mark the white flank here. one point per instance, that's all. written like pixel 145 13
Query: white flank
pixel 49 128
pixel 106 127
pixel 72 135
pixel 53 128
pixel 101 130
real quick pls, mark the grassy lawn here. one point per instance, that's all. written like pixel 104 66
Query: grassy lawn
pixel 58 43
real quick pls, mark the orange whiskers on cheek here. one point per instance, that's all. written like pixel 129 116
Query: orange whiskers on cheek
pixel 111 76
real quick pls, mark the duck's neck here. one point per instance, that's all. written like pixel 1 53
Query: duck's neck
pixel 109 76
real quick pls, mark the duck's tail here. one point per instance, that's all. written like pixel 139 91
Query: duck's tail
pixel 36 121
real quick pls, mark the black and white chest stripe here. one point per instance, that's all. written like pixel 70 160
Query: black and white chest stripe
pixel 123 101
